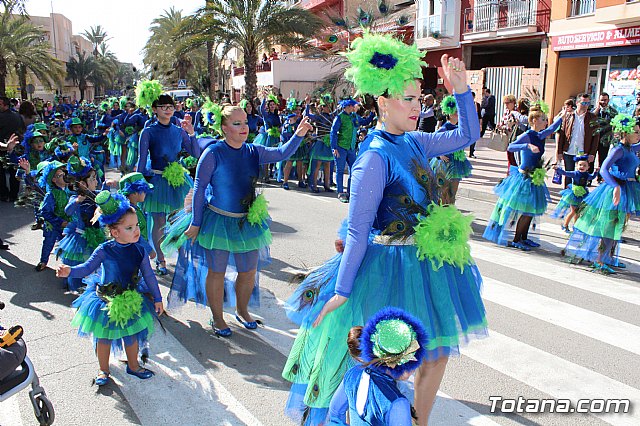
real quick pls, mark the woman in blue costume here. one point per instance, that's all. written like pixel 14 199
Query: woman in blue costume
pixel 255 121
pixel 395 252
pixel 81 236
pixel 321 154
pixel 132 123
pixel 389 349
pixel 270 133
pixel 112 311
pixel 455 166
pixel 523 194
pixel 605 212
pixel 574 194
pixel 228 219
pixel 163 142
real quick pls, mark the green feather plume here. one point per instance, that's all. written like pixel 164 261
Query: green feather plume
pixel 449 105
pixel 538 176
pixel 214 109
pixel 123 101
pixel 243 104
pixel 542 105
pixel 147 92
pixel 578 191
pixel 258 212
pixel 124 307
pixel 443 236
pixel 174 237
pixel 459 155
pixel 273 98
pixel 188 103
pixel 274 132
pixel 404 62
pixel 105 105
pixel 94 237
pixel 623 123
pixel 174 174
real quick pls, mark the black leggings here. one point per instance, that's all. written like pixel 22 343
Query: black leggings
pixel 522 228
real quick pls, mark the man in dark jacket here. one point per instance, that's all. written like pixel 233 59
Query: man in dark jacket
pixel 428 120
pixel 10 123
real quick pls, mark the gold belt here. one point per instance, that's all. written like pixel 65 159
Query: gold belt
pixel 387 240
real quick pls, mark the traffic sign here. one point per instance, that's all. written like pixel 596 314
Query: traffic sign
pixel 182 83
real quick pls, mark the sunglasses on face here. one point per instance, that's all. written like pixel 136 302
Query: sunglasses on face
pixel 585 103
pixel 166 107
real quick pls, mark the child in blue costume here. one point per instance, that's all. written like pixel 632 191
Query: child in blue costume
pixel 228 219
pixel 453 166
pixel 395 253
pixel 598 231
pixel 343 142
pixel 135 187
pixel 52 208
pixel 163 142
pixel 320 155
pixel 574 194
pixel 112 311
pixel 81 235
pixel 390 348
pixel 523 194
pixel 81 142
pixel 269 133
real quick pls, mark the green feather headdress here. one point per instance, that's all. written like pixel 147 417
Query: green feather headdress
pixel 212 110
pixel 449 105
pixel 147 92
pixel 382 64
pixel 325 99
pixel 273 98
pixel 105 105
pixel 189 103
pixel 623 123
pixel 123 101
pixel 542 105
pixel 243 104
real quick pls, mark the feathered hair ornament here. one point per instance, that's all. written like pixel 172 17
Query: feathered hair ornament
pixel 623 123
pixel 123 101
pixel 212 115
pixel 541 105
pixel 449 105
pixel 382 65
pixel 273 98
pixel 292 103
pixel 243 104
pixel 104 105
pixel 325 100
pixel 147 91
pixel 188 103
pixel 394 339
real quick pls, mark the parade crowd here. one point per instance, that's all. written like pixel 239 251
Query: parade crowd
pixel 191 177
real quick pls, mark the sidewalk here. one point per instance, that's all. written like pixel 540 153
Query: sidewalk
pixel 491 166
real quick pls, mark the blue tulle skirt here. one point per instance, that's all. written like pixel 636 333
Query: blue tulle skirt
pixel 266 140
pixel 454 169
pixel 517 196
pixel 320 151
pixel 165 198
pixel 446 300
pixel 567 200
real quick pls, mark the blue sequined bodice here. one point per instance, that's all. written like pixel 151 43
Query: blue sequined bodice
pixel 165 143
pixel 625 167
pixel 121 263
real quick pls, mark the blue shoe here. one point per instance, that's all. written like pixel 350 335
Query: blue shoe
pixel 620 265
pixel 161 270
pixel 315 190
pixel 302 185
pixel 251 325
pixel 530 243
pixel 220 332
pixel 602 268
pixel 102 378
pixel 141 373
pixel 285 186
pixel 565 229
pixel 519 245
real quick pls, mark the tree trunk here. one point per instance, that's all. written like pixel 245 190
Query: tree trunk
pixel 22 80
pixel 211 68
pixel 3 76
pixel 250 75
pixel 82 86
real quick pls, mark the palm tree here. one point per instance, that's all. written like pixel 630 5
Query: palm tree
pixel 97 36
pixel 253 25
pixel 81 71
pixel 24 49
pixel 107 67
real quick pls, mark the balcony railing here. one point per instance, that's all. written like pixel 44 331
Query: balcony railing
pixel 262 67
pixel 505 14
pixel 582 7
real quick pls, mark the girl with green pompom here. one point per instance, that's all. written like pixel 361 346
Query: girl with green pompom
pixel 229 225
pixel 523 194
pixel 112 310
pixel 606 210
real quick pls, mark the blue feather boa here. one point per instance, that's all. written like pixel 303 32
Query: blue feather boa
pixel 123 207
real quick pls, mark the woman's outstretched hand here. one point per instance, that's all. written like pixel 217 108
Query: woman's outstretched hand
pixel 455 73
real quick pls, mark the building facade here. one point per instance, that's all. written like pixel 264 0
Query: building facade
pixel 595 48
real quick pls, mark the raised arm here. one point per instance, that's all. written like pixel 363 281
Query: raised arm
pixel 88 267
pixel 551 129
pixel 268 155
pixel 368 180
pixel 190 144
pixel 468 131
pixel 206 167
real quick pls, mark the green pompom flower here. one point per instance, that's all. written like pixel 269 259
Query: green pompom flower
pixel 243 104
pixel 623 123
pixel 129 130
pixel 174 174
pixel 459 155
pixel 258 211
pixel 443 236
pixel 538 176
pixel 274 132
pixel 449 105
pixel 124 307
pixel 542 105
pixel 94 237
pixel 273 98
pixel 578 191
pixel 188 103
pixel 211 108
pixel 382 64
pixel 147 92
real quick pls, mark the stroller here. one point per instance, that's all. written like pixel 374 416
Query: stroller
pixel 20 379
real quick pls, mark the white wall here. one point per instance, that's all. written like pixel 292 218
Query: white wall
pixel 292 71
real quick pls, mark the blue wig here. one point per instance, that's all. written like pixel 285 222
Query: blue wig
pixel 347 102
pixel 140 186
pixel 369 334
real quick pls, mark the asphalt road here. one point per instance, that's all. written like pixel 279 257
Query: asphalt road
pixel 556 331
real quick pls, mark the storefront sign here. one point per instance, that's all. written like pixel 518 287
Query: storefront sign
pixel 597 39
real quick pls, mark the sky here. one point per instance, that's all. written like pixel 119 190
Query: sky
pixel 126 21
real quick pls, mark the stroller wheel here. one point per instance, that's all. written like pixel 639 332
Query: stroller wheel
pixel 47 414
